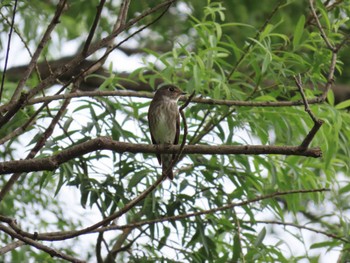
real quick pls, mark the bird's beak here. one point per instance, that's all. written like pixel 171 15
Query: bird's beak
pixel 182 92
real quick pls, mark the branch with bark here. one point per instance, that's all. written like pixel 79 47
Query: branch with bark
pixel 105 143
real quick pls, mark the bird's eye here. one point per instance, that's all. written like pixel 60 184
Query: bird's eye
pixel 171 89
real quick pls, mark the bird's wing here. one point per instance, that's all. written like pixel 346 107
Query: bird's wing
pixel 153 140
pixel 177 134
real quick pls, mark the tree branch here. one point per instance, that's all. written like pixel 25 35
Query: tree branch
pixel 322 32
pixel 105 143
pixel 93 27
pixel 8 49
pixel 209 211
pixel 11 246
pixel 148 95
pixel 39 144
pixel 317 122
pixel 304 227
pixel 41 45
pixel 52 252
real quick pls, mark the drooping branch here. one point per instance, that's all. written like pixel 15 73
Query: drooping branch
pixel 68 234
pixel 104 143
pixel 205 212
pixel 52 252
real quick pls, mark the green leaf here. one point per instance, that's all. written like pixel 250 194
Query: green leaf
pixel 324 244
pixel 330 97
pixel 343 105
pixel 260 237
pixel 135 180
pixel 298 32
pixel 237 249
pixel 265 98
pixel 345 189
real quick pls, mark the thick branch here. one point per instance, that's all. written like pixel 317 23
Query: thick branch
pixel 105 143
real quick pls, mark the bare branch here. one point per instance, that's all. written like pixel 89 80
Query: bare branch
pixel 121 21
pixel 330 77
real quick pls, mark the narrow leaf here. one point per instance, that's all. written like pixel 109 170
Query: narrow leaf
pixel 343 105
pixel 298 32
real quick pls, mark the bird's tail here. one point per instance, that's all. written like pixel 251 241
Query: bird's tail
pixel 167 160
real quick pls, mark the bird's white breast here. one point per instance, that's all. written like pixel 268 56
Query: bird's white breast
pixel 165 127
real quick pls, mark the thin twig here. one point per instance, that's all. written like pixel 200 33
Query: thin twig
pixel 178 154
pixel 11 246
pixel 148 95
pixel 238 233
pixel 345 240
pixel 52 252
pixel 121 21
pixel 317 122
pixel 70 234
pixel 39 144
pixel 98 63
pixel 330 77
pixel 8 49
pixel 303 96
pixel 195 134
pixel 247 48
pixel 41 46
pixel 323 34
pixel 93 27
pixel 94 47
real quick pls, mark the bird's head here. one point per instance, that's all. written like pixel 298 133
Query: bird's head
pixel 169 92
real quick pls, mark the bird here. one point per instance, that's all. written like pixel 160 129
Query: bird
pixel 164 123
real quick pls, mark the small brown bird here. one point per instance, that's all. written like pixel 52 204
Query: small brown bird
pixel 164 122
